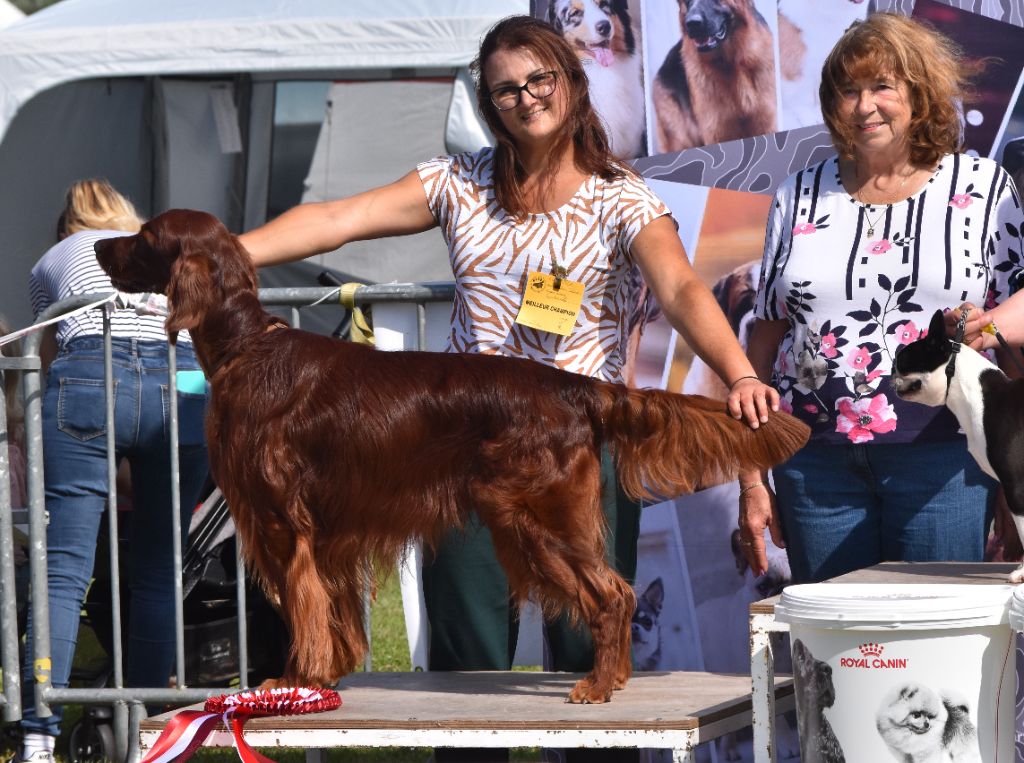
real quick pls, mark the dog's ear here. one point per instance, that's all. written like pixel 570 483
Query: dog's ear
pixel 553 17
pixel 655 594
pixel 189 292
pixel 937 328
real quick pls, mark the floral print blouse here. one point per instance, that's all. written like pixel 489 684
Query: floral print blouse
pixel 857 281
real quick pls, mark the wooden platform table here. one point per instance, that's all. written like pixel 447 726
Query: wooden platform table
pixel 674 710
pixel 763 624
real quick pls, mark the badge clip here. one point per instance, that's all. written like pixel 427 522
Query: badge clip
pixel 559 273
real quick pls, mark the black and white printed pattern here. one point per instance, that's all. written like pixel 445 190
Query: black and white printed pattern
pixel 857 281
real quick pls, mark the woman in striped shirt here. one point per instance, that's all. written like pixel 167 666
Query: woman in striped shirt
pixel 75 452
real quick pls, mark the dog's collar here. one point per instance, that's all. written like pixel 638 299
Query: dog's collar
pixel 226 359
pixel 958 341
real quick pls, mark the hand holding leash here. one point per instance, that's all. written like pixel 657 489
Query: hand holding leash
pixel 979 330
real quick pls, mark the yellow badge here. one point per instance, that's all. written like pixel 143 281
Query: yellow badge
pixel 550 303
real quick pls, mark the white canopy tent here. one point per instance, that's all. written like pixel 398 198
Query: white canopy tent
pixel 175 103
pixel 8 14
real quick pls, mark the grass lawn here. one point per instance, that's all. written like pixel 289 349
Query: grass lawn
pixel 390 653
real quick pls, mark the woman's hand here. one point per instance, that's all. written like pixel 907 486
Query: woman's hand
pixel 751 399
pixel 757 511
pixel 977 319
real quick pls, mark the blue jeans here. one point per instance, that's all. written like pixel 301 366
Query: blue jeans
pixel 846 507
pixel 75 471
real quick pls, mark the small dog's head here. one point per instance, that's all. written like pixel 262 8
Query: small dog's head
pixel 919 369
pixel 595 28
pixel 911 719
pixel 645 630
pixel 708 22
pixel 188 255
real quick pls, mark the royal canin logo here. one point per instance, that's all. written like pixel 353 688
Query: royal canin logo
pixel 871 659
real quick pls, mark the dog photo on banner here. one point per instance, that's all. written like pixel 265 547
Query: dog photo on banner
pixel 710 71
pixel 607 36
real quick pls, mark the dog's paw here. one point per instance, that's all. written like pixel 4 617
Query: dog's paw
pixel 1017 576
pixel 586 692
pixel 274 683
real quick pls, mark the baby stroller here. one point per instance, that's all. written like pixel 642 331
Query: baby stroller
pixel 209 579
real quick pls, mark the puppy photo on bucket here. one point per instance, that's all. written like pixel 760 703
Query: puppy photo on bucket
pixel 815 693
pixel 920 725
pixel 716 82
pixel 988 404
pixel 606 36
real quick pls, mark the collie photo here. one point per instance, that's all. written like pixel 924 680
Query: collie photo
pixel 717 82
pixel 606 36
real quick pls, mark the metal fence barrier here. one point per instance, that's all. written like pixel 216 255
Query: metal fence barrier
pixel 128 704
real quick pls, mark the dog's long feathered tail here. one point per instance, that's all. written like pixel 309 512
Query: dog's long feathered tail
pixel 667 444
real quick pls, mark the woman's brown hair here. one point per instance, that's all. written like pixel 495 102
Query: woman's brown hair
pixel 582 125
pixel 932 66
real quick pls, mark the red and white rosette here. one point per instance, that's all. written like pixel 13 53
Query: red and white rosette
pixel 188 729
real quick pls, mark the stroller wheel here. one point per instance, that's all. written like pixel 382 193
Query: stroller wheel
pixel 92 740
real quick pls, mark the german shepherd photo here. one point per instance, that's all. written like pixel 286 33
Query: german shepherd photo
pixel 717 83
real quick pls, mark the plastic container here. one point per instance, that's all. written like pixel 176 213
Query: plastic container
pixel 902 672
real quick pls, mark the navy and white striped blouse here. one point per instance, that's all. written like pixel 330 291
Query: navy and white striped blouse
pixel 69 268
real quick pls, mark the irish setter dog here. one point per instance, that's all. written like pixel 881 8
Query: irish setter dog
pixel 333 455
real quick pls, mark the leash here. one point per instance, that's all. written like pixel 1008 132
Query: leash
pixel 958 341
pixel 15 335
pixel 143 304
pixel 993 329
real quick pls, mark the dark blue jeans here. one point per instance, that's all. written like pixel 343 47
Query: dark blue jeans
pixel 75 471
pixel 846 507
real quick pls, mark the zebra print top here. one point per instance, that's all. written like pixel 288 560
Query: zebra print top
pixel 492 254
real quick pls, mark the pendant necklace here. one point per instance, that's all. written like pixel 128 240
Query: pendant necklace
pixel 873 223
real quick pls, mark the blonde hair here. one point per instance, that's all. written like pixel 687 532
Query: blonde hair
pixel 932 66
pixel 93 204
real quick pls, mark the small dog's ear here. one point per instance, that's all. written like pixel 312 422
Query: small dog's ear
pixel 655 594
pixel 188 292
pixel 937 328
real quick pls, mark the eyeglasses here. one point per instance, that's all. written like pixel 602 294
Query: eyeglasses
pixel 539 86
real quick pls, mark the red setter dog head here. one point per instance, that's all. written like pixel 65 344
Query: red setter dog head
pixel 189 256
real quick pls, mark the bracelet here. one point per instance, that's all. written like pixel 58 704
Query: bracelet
pixel 750 487
pixel 737 381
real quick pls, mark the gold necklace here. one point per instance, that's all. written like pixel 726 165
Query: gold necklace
pixel 873 223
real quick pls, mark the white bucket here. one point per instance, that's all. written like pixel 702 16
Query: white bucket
pixel 902 672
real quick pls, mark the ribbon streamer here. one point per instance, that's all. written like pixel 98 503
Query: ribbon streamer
pixel 187 730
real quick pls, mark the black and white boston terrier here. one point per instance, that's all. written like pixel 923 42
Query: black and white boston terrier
pixel 989 406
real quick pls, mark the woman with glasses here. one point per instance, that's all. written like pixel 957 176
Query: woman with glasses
pixel 547 216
